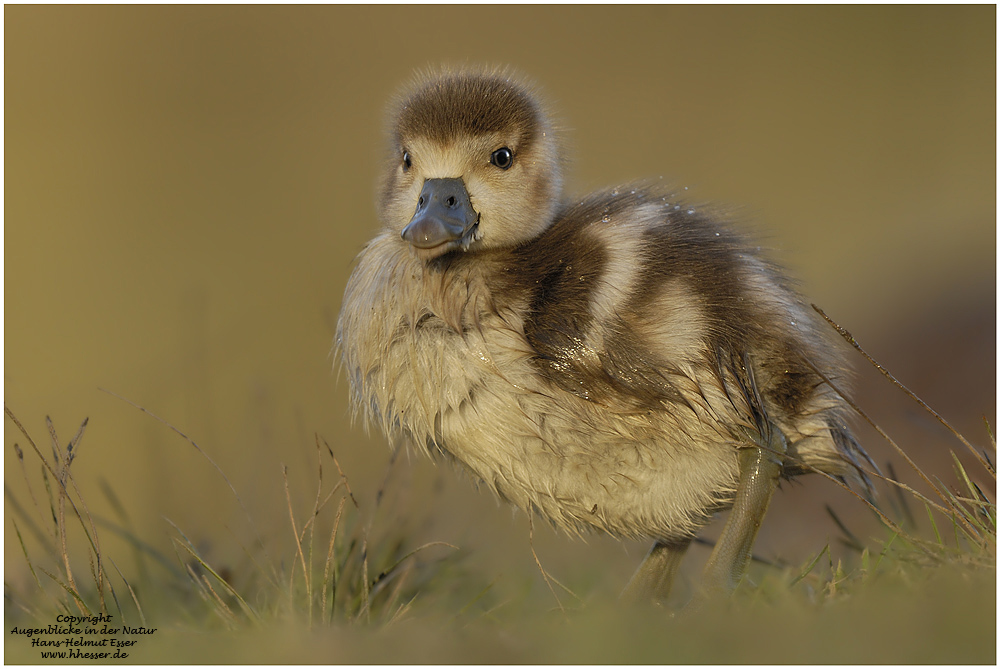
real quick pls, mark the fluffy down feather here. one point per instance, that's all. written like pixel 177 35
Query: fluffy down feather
pixel 597 361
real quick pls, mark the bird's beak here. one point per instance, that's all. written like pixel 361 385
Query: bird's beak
pixel 444 219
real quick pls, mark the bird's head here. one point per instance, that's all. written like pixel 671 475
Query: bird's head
pixel 473 164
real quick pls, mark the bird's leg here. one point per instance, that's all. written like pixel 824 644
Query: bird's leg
pixel 653 578
pixel 760 467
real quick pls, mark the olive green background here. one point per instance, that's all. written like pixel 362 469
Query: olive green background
pixel 185 188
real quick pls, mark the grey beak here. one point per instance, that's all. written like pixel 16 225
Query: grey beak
pixel 444 214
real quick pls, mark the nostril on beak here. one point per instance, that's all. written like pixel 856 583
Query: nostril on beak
pixel 451 202
pixel 420 201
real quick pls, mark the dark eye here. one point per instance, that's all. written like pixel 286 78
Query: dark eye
pixel 502 158
pixel 407 161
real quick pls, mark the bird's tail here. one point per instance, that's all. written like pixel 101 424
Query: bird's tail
pixel 856 460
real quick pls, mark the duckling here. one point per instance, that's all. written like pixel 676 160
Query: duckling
pixel 617 362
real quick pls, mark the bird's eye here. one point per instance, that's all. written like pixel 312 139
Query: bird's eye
pixel 502 158
pixel 407 160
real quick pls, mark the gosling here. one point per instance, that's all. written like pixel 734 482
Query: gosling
pixel 618 362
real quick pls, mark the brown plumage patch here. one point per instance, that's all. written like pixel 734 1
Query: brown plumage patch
pixel 708 256
pixel 556 274
pixel 454 106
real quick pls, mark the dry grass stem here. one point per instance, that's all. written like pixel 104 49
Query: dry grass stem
pixel 854 342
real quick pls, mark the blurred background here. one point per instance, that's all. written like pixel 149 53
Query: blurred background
pixel 186 187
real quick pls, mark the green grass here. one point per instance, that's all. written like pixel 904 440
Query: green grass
pixel 346 583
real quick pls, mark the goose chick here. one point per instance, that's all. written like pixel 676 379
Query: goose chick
pixel 613 363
